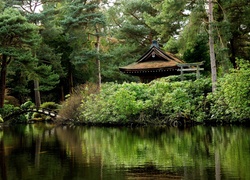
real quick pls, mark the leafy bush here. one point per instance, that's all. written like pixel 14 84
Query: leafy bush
pixel 8 110
pixel 168 99
pixel 49 105
pixel 69 108
pixel 114 103
pixel 27 105
pixel 231 102
pixel 185 99
pixel 137 102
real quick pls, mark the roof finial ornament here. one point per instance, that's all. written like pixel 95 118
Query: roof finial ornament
pixel 155 44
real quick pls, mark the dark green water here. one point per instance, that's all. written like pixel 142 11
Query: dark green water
pixel 44 152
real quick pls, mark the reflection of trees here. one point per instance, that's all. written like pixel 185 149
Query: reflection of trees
pixel 25 153
pixel 70 141
pixel 35 152
pixel 93 151
pixel 217 165
pixel 186 150
pixel 2 161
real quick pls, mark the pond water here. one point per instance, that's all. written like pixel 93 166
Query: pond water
pixel 45 151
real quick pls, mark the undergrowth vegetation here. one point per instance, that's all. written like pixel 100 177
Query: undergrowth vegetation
pixel 158 102
pixel 69 108
pixel 231 102
pixel 165 101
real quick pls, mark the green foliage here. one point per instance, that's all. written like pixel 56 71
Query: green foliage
pixel 181 99
pixel 66 50
pixel 1 4
pixel 49 105
pixel 18 41
pixel 9 109
pixel 230 29
pixel 137 102
pixel 172 16
pixel 198 51
pixel 115 103
pixel 129 17
pixel 232 101
pixel 27 105
pixel 110 66
pixel 13 26
pixel 48 79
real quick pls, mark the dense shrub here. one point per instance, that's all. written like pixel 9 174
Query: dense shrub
pixel 114 103
pixel 168 99
pixel 185 99
pixel 231 102
pixel 157 102
pixel 49 105
pixel 27 105
pixel 69 108
pixel 8 110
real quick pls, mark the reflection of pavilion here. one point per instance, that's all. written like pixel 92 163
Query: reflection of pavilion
pixel 156 64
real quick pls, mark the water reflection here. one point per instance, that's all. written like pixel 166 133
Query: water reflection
pixel 43 151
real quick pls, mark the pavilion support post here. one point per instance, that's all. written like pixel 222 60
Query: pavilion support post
pixel 198 72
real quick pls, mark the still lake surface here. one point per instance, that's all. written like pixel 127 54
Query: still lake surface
pixel 48 152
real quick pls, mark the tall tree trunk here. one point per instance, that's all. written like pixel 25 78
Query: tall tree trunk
pixel 211 46
pixel 3 79
pixel 233 53
pixel 70 78
pixel 98 62
pixel 38 150
pixel 3 167
pixel 62 93
pixel 37 94
pixel 37 91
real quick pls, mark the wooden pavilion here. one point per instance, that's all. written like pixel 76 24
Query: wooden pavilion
pixel 153 64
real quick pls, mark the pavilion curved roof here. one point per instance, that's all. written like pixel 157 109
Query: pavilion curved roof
pixel 153 60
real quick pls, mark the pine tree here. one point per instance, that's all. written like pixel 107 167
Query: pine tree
pixel 84 24
pixel 18 40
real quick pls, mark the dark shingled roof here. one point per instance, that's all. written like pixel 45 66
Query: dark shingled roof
pixel 153 60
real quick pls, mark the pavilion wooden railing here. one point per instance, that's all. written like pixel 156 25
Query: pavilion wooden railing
pixel 188 67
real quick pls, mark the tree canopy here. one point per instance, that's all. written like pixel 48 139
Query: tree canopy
pixel 18 41
pixel 68 43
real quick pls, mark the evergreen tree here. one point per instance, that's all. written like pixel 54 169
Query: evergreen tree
pixel 170 18
pixel 83 25
pixel 128 37
pixel 18 40
pixel 129 23
pixel 233 28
